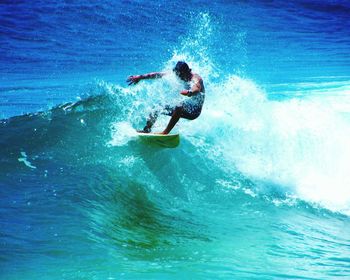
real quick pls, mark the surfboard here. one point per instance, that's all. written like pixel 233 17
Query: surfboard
pixel 160 140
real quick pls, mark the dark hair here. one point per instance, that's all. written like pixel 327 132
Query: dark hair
pixel 182 67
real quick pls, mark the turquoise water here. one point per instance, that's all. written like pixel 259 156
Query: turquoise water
pixel 257 189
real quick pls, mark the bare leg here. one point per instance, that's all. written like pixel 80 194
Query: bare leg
pixel 174 119
pixel 150 122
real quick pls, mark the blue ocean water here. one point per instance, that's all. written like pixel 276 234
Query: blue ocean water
pixel 257 189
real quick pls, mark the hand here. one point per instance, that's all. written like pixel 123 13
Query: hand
pixel 184 92
pixel 133 80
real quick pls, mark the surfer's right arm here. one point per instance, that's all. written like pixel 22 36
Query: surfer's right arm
pixel 136 78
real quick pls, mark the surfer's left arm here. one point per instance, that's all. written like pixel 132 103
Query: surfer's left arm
pixel 196 88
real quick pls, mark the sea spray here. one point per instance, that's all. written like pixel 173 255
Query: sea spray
pixel 301 145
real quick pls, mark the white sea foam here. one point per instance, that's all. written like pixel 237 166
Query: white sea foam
pixel 302 145
pixel 122 133
pixel 24 159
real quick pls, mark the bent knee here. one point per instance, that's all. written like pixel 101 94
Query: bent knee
pixel 178 109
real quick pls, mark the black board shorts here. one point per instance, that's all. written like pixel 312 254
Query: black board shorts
pixel 189 111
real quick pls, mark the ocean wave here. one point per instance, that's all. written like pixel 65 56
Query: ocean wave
pixel 298 145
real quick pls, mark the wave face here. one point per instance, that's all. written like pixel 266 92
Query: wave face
pixel 257 189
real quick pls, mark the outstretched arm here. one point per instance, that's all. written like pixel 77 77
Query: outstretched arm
pixel 136 78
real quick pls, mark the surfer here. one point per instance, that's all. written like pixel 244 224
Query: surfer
pixel 189 109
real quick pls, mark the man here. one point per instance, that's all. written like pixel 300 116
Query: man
pixel 189 109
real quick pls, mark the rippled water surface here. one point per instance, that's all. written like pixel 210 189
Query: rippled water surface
pixel 257 189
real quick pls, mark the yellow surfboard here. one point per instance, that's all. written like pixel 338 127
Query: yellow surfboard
pixel 160 140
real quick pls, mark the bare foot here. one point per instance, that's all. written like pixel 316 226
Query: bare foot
pixel 143 131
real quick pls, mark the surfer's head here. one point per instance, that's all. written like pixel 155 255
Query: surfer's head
pixel 182 70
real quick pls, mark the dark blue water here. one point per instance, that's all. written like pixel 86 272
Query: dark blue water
pixel 257 189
